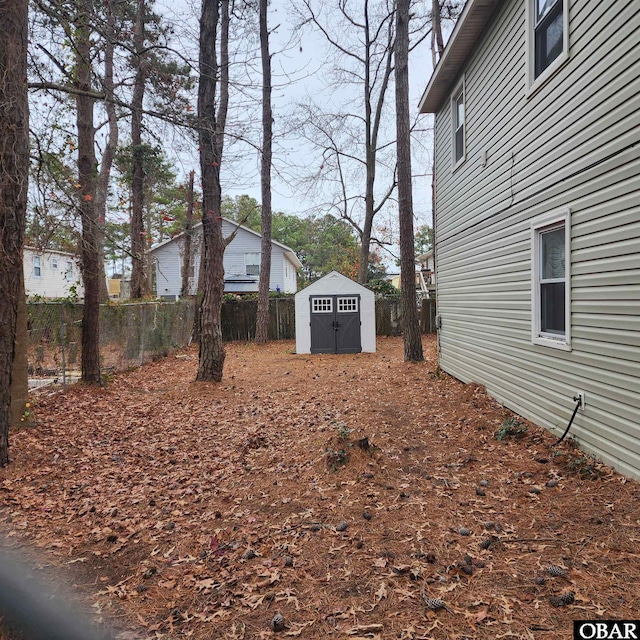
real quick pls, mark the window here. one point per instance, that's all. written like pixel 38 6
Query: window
pixel 37 267
pixel 347 305
pixel 322 305
pixel 458 121
pixel 548 34
pixel 252 264
pixel 551 280
pixel 54 263
pixel 69 272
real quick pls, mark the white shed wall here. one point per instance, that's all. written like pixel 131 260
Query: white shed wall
pixel 572 144
pixel 335 283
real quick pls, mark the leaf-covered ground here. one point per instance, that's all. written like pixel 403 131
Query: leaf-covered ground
pixel 358 496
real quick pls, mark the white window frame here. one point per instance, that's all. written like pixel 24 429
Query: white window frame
pixel 68 274
pixel 348 304
pixel 37 267
pixel 533 83
pixel 540 224
pixel 54 263
pixel 248 262
pixel 319 304
pixel 459 89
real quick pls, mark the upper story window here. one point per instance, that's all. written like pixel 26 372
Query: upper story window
pixel 252 264
pixel 54 263
pixel 69 271
pixel 458 121
pixel 548 36
pixel 37 267
pixel 551 280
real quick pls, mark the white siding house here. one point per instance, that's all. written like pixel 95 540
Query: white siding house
pixel 51 274
pixel 537 213
pixel 241 263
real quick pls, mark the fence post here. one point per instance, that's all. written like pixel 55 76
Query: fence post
pixel 277 320
pixel 63 330
pixel 143 328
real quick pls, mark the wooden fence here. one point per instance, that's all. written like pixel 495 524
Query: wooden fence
pixel 239 318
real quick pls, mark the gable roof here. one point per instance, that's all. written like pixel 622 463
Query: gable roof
pixel 335 278
pixel 288 250
pixel 468 30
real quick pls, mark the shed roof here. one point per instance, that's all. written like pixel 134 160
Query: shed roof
pixel 470 26
pixel 325 281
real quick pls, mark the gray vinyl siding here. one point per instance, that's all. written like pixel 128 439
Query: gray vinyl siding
pixel 571 144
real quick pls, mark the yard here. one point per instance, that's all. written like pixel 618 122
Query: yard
pixel 358 496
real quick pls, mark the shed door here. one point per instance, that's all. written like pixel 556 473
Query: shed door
pixel 335 324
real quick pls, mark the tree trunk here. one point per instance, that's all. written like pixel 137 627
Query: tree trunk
pixel 102 188
pixel 187 260
pixel 410 320
pixel 262 320
pixel 20 416
pixel 211 132
pixel 87 192
pixel 14 175
pixel 372 120
pixel 437 43
pixel 139 285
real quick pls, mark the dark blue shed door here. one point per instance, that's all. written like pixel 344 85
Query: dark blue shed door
pixel 335 324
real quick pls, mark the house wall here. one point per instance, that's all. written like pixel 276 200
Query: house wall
pixel 52 282
pixel 169 263
pixel 571 144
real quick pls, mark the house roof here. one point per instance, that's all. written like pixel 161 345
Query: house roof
pixel 470 26
pixel 288 250
pixel 66 254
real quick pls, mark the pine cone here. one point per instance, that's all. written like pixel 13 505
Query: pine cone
pixel 249 554
pixel 342 526
pixel 555 570
pixel 564 600
pixel 277 623
pixel 463 531
pixel 541 580
pixel 485 544
pixel 434 604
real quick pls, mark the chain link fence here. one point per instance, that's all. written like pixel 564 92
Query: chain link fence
pixel 132 334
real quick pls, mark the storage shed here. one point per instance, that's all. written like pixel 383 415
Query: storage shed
pixel 335 315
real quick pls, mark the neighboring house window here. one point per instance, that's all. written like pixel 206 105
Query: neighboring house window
pixel 548 34
pixel 252 264
pixel 37 267
pixel 551 280
pixel 458 120
pixel 68 275
pixel 54 264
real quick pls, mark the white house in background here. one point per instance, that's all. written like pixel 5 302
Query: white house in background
pixel 241 263
pixel 537 213
pixel 51 274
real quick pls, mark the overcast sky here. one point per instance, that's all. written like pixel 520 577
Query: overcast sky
pixel 303 65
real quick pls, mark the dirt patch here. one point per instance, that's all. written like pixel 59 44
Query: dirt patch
pixel 357 496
